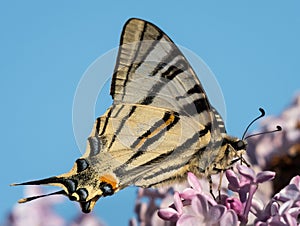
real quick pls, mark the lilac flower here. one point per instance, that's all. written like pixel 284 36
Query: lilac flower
pixel 275 214
pixel 290 192
pixel 283 209
pixel 174 212
pixel 195 188
pixel 192 207
pixel 246 187
pixel 202 213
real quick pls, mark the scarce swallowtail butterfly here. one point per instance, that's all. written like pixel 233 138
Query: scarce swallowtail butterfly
pixel 160 126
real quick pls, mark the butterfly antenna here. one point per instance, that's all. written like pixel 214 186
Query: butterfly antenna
pixel 262 111
pixel 278 128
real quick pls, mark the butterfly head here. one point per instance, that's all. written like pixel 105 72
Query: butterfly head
pixel 81 184
pixel 230 151
pixel 235 149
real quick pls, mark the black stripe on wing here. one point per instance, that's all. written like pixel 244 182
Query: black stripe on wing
pixel 118 130
pixel 153 134
pixel 168 159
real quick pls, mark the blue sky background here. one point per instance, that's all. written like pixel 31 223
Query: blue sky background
pixel 251 46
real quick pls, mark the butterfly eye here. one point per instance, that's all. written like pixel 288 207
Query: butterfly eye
pixel 240 145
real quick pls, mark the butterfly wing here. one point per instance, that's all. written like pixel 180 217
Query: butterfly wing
pixel 147 146
pixel 152 77
pixel 151 70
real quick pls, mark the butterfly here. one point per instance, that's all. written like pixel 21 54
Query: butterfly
pixel 160 126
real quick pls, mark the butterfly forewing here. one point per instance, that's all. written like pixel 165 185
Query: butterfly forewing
pixel 151 70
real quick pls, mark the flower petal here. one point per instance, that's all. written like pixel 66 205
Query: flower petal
pixel 200 205
pixel 215 213
pixel 246 172
pixel 168 214
pixel 276 221
pixel 194 182
pixel 285 207
pixel 229 218
pixel 289 219
pixel 274 208
pixel 287 193
pixel 294 211
pixel 177 202
pixel 296 181
pixel 234 183
pixel 188 194
pixel 264 176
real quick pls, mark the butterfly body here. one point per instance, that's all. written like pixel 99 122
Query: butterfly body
pixel 159 127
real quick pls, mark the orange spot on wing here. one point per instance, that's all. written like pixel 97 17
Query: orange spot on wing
pixel 110 179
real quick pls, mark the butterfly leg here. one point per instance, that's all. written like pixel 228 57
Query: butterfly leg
pixel 240 157
pixel 211 186
pixel 242 161
pixel 220 184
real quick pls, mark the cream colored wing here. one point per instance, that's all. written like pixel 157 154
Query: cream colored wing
pixel 152 78
pixel 151 70
pixel 147 146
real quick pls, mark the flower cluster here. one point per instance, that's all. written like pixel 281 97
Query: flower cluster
pixel 194 207
pixel 283 208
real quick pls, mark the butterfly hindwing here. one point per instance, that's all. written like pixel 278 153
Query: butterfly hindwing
pixel 140 142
